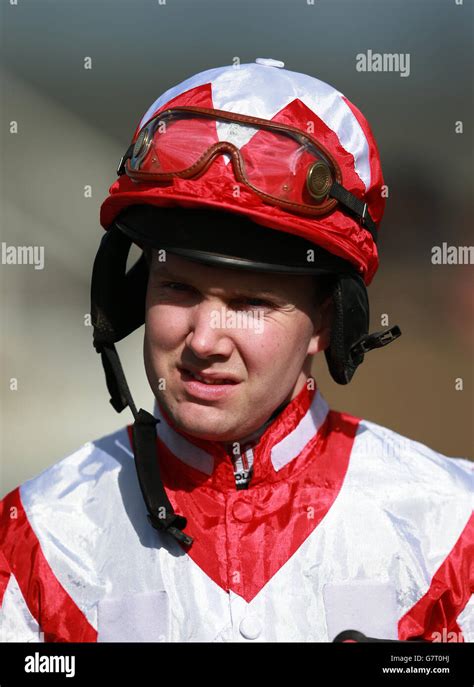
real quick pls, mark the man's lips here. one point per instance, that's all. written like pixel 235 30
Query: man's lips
pixel 215 388
pixel 210 377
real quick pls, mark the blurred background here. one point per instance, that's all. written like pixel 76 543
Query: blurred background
pixel 74 124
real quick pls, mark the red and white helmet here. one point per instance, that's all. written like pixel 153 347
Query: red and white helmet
pixel 267 91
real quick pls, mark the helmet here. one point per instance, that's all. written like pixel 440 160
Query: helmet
pixel 272 94
pixel 292 171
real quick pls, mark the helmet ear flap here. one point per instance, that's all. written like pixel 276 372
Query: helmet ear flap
pixel 350 324
pixel 117 296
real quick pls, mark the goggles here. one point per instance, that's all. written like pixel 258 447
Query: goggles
pixel 278 162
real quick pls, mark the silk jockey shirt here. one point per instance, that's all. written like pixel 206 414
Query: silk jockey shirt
pixel 344 524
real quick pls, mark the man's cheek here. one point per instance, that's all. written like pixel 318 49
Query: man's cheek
pixel 167 328
pixel 268 345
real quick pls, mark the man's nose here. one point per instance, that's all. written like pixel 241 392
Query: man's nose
pixel 209 335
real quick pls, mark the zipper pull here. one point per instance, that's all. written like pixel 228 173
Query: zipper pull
pixel 242 459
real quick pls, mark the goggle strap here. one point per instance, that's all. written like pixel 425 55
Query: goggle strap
pixel 355 205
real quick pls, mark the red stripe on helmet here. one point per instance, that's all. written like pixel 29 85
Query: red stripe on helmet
pixel 201 96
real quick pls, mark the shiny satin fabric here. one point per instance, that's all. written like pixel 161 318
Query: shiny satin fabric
pixel 360 526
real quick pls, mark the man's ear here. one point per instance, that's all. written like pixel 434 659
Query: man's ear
pixel 322 322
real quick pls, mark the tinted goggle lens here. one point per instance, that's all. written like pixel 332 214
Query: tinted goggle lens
pixel 285 166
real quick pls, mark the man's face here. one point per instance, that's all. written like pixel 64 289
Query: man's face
pixel 257 330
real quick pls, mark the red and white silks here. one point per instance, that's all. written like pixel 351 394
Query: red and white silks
pixel 345 525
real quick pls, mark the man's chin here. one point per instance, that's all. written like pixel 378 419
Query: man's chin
pixel 208 433
pixel 205 422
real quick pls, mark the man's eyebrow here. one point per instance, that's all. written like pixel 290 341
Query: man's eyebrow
pixel 244 290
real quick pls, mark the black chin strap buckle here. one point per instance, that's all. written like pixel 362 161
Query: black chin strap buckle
pixel 375 340
pixel 173 524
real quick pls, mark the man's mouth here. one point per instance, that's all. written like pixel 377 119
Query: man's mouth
pixel 208 378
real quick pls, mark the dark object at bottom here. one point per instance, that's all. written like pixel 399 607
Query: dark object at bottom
pixel 356 637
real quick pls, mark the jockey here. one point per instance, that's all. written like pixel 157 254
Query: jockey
pixel 243 508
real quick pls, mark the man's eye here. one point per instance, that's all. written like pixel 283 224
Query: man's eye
pixel 174 285
pixel 246 302
pixel 256 303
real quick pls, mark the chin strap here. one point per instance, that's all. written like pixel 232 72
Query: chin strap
pixel 161 514
pixel 375 340
pixel 160 511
